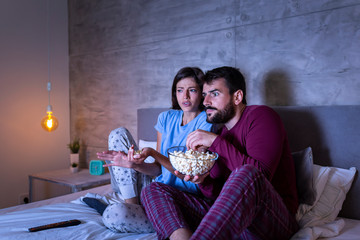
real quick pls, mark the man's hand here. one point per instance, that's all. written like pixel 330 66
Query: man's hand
pixel 195 179
pixel 200 139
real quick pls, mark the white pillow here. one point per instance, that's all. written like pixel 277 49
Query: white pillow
pixel 143 143
pixel 151 144
pixel 330 199
pixel 320 178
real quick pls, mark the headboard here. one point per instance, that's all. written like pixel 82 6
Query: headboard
pixel 146 120
pixel 333 133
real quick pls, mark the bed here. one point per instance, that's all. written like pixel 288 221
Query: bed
pixel 332 132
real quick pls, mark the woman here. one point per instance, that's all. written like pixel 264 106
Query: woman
pixel 172 127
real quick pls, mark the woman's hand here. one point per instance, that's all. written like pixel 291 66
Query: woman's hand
pixel 195 179
pixel 117 159
pixel 139 157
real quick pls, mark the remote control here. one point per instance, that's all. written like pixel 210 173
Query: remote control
pixel 73 222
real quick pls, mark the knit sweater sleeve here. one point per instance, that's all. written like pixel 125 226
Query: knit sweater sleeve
pixel 257 139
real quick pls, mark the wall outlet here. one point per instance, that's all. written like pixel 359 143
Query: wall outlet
pixel 24 198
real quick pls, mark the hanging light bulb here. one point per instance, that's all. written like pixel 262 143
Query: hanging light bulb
pixel 49 122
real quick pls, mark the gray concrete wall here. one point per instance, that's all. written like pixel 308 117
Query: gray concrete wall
pixel 124 54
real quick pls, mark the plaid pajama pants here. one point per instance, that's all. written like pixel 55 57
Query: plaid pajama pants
pixel 248 207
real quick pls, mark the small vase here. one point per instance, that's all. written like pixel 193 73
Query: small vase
pixel 74 169
pixel 74 158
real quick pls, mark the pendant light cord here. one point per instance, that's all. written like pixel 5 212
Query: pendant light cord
pixel 48 41
pixel 49 122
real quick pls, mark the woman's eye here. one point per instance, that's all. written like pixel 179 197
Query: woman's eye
pixel 179 90
pixel 193 90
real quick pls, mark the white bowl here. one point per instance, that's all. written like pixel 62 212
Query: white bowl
pixel 191 162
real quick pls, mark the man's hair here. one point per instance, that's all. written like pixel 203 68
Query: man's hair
pixel 187 72
pixel 233 78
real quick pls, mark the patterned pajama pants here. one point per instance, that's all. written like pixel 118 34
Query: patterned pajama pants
pixel 248 207
pixel 125 217
pixel 126 181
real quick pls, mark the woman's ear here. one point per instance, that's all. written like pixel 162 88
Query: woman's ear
pixel 238 97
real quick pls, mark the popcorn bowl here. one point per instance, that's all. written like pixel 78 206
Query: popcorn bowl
pixel 190 162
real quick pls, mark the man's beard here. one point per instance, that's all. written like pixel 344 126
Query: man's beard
pixel 222 116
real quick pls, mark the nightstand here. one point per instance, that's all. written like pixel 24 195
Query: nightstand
pixel 76 181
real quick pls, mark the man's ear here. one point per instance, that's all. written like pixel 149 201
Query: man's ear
pixel 238 97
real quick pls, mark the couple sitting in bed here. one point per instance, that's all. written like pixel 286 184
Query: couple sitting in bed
pixel 249 194
pixel 173 126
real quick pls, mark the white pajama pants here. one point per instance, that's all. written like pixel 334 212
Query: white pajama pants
pixel 126 217
pixel 126 181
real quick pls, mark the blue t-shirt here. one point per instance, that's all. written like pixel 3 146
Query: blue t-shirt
pixel 173 134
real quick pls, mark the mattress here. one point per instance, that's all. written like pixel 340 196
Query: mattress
pixel 15 221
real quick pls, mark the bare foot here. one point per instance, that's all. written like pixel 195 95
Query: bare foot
pixel 133 200
pixel 181 234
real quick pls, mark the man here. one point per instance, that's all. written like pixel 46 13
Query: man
pixel 251 191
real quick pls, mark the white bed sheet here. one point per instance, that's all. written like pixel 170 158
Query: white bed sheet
pixel 15 221
pixel 340 229
pixel 351 230
pixel 103 190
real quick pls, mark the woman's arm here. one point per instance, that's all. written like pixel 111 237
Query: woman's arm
pixel 158 141
pixel 152 169
pixel 122 159
pixel 160 159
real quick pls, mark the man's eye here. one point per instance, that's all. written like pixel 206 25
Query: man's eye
pixel 214 94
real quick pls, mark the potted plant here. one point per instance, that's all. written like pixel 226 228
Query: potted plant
pixel 74 167
pixel 74 147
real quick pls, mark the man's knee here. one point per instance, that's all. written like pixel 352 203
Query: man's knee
pixel 150 189
pixel 247 168
pixel 247 173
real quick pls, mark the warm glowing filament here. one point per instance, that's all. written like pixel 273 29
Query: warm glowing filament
pixel 49 123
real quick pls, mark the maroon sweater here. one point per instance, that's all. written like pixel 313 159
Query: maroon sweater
pixel 259 139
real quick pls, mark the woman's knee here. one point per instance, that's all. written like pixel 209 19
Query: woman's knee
pixel 118 132
pixel 120 139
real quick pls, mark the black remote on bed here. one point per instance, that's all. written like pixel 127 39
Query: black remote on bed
pixel 55 225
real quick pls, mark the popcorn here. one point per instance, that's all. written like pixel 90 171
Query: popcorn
pixel 137 152
pixel 191 162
